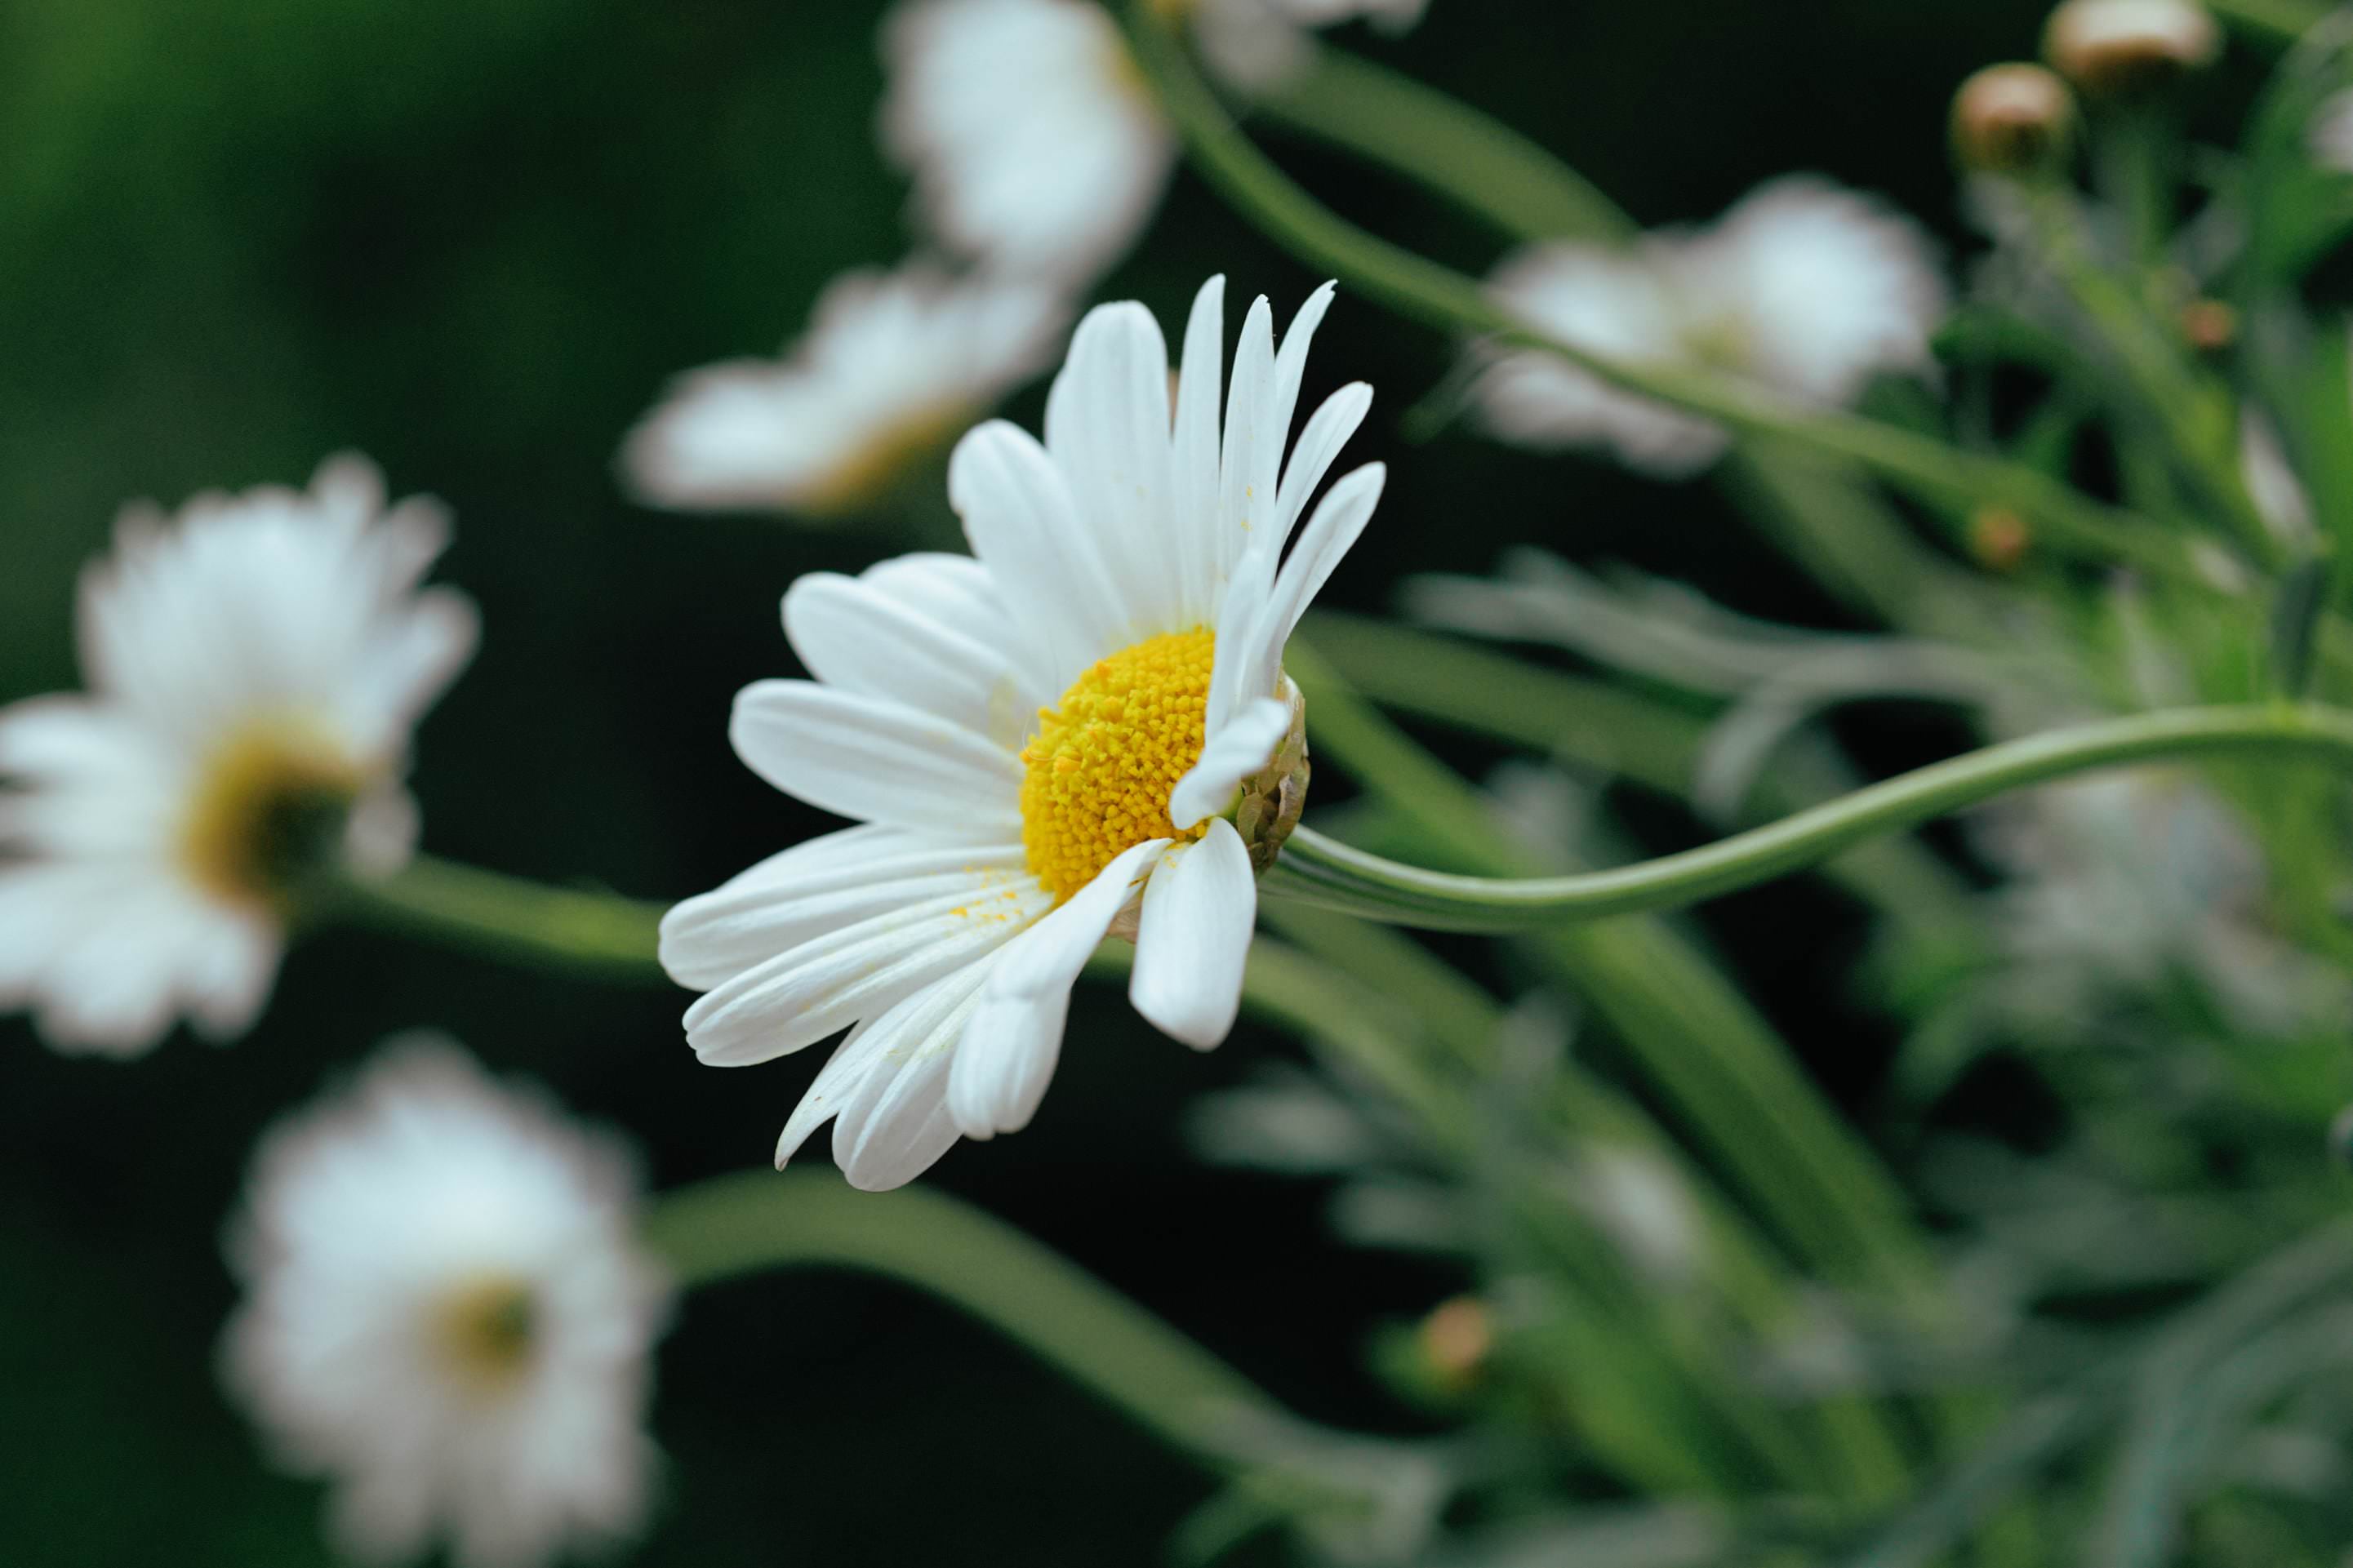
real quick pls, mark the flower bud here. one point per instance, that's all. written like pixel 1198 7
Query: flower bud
pixel 1271 801
pixel 2210 326
pixel 1999 538
pixel 1456 1340
pixel 2117 48
pixel 2012 119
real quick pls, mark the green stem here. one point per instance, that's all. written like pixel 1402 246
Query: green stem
pixel 1695 1036
pixel 1622 734
pixel 1455 152
pixel 1855 1444
pixel 1069 1320
pixel 1327 872
pixel 1440 298
pixel 568 930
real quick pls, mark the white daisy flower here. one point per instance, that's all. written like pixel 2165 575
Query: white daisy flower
pixel 1035 143
pixel 1086 730
pixel 1803 287
pixel 892 366
pixel 445 1316
pixel 255 665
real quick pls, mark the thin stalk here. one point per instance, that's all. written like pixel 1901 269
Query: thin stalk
pixel 1325 871
pixel 1069 1320
pixel 1855 1438
pixel 1445 300
pixel 568 930
pixel 1485 167
pixel 1623 734
pixel 1696 1038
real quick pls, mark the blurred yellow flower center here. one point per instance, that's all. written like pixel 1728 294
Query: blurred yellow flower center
pixel 270 803
pixel 487 1328
pixel 1106 758
pixel 866 473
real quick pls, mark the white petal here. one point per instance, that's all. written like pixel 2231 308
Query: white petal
pixel 413 662
pixel 895 1123
pixel 1195 482
pixel 957 591
pixel 855 636
pixel 875 760
pixel 1291 366
pixel 1250 461
pixel 1198 910
pixel 1324 541
pixel 878 1048
pixel 1107 429
pixel 1327 431
pixel 855 972
pixel 786 901
pixel 1044 558
pixel 1238 751
pixel 1015 1038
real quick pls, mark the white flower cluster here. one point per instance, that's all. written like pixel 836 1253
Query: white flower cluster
pixel 1038 158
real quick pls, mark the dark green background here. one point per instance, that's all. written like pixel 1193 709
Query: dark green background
pixel 471 240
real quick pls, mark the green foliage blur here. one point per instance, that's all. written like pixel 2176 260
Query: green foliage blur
pixel 474 241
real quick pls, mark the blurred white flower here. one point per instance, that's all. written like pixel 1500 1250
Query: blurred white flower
pixel 2330 137
pixel 255 667
pixel 1035 145
pixel 1258 43
pixel 893 367
pixel 1804 288
pixel 447 1317
pixel 2120 881
pixel 2108 47
pixel 1032 740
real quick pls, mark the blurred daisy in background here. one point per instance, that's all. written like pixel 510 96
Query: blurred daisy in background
pixel 2331 135
pixel 1035 145
pixel 1085 730
pixel 446 1315
pixel 1804 288
pixel 254 666
pixel 2118 48
pixel 895 365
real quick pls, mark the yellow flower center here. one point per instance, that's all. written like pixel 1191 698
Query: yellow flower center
pixel 1106 758
pixel 487 1328
pixel 270 806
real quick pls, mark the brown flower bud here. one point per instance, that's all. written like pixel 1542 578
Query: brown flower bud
pixel 2210 326
pixel 2013 120
pixel 1457 1339
pixel 2117 48
pixel 1999 538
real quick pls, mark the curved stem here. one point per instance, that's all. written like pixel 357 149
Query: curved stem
pixel 1324 872
pixel 1455 152
pixel 1624 735
pixel 1418 288
pixel 567 930
pixel 1069 1320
